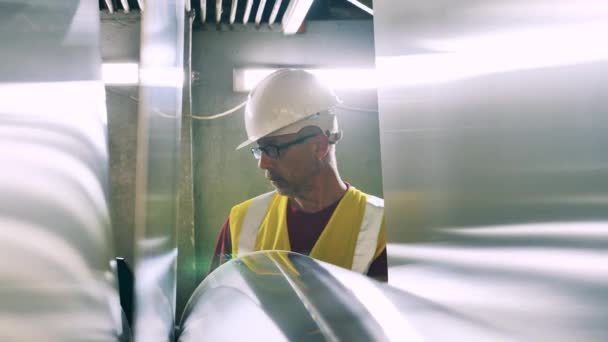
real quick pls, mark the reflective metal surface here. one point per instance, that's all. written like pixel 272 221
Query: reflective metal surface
pixel 161 81
pixel 56 282
pixel 284 296
pixel 493 121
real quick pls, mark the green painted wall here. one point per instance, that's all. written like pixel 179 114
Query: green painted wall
pixel 223 176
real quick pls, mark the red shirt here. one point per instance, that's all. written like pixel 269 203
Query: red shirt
pixel 304 230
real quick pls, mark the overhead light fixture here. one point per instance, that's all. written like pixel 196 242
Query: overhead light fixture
pixel 294 15
pixel 246 79
pixel 130 74
pixel 162 77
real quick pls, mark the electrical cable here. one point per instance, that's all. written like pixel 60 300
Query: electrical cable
pixel 216 116
pixel 241 105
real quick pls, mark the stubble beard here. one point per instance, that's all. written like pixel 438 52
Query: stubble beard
pixel 292 190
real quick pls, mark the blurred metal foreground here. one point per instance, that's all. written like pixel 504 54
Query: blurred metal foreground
pixel 284 296
pixel 56 283
pixel 158 144
pixel 494 121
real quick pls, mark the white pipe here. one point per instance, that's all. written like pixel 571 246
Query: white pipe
pixel 218 11
pixel 247 11
pixel 125 6
pixel 275 12
pixel 188 6
pixel 258 16
pixel 235 3
pixel 361 6
pixel 110 6
pixel 294 15
pixel 203 11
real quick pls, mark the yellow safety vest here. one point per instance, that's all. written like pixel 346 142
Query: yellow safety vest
pixel 354 236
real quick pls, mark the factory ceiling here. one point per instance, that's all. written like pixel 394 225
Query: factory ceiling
pixel 252 12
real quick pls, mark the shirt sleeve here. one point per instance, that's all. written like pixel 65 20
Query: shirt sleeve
pixel 223 248
pixel 379 268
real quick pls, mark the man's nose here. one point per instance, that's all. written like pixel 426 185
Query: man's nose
pixel 265 161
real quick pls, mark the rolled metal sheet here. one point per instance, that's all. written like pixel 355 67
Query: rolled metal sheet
pixel 284 296
pixel 56 282
pixel 493 136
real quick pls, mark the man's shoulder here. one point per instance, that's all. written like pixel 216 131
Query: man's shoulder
pixel 263 198
pixel 375 201
pixel 372 200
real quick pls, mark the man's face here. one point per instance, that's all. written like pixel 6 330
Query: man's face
pixel 290 172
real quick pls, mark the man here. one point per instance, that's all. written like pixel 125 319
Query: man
pixel 313 211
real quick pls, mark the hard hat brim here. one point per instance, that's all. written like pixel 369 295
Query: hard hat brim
pixel 245 143
pixel 325 121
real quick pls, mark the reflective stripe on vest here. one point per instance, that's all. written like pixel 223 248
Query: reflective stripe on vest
pixel 368 235
pixel 349 240
pixel 251 222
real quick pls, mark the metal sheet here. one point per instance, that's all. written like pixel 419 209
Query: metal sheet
pixel 161 82
pixel 283 296
pixel 56 283
pixel 493 121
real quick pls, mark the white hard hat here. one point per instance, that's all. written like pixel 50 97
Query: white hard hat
pixel 287 101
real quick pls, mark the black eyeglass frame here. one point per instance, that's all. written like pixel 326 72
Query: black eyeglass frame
pixel 274 151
